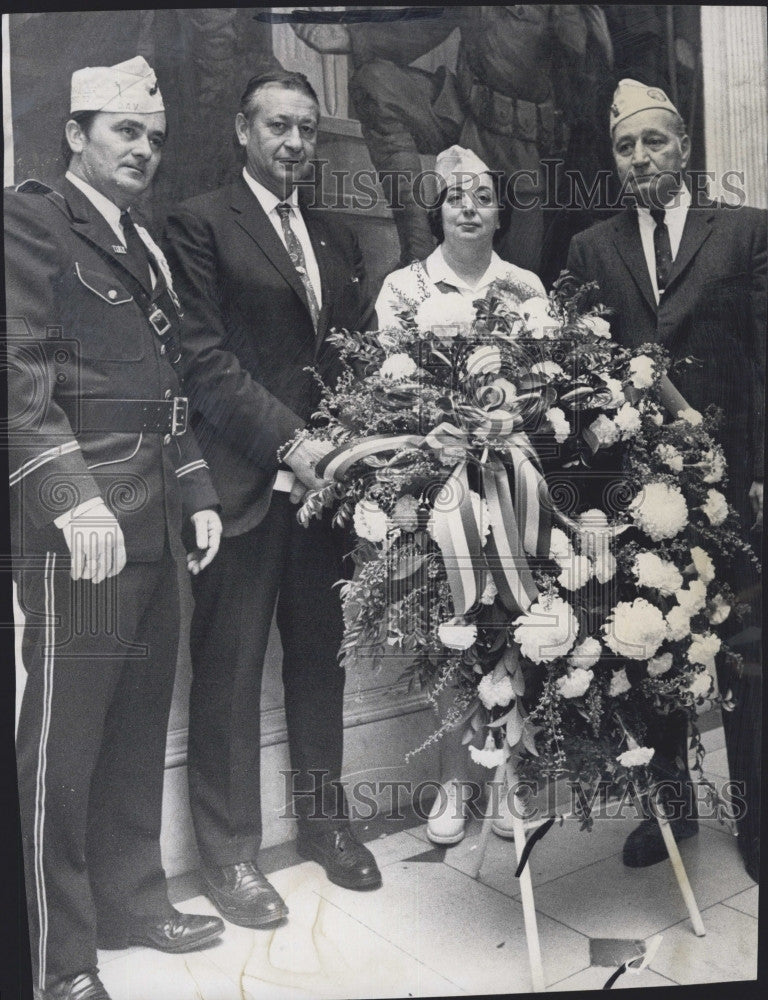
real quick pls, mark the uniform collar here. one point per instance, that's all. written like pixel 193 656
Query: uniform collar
pixel 103 205
pixel 438 270
pixel 266 198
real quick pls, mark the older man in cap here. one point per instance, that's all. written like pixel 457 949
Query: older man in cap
pixel 690 274
pixel 103 470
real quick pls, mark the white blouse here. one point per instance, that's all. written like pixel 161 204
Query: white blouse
pixel 412 285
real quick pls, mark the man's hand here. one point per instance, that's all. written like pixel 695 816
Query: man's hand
pixel 207 524
pixel 303 459
pixel 327 39
pixel 756 499
pixel 96 544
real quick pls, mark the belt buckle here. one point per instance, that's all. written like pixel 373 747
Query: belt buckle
pixel 179 415
pixel 160 322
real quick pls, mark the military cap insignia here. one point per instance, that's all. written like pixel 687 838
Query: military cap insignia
pixel 656 95
pixel 614 111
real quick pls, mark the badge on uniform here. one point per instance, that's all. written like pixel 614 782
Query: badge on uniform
pixel 119 248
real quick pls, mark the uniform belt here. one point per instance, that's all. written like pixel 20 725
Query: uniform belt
pixel 541 124
pixel 129 416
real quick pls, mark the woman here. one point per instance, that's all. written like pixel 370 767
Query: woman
pixel 469 216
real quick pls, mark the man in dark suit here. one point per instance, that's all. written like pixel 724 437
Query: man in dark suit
pixel 691 275
pixel 103 469
pixel 263 280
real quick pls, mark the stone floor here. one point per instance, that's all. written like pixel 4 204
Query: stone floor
pixel 433 930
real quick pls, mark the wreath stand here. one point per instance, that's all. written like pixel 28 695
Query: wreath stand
pixel 506 775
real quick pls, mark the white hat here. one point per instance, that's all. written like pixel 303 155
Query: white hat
pixel 128 87
pixel 458 165
pixel 632 96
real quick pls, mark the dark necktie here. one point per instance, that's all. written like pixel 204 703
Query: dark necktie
pixel 297 259
pixel 662 249
pixel 136 249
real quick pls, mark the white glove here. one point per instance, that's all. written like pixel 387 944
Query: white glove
pixel 207 538
pixel 95 542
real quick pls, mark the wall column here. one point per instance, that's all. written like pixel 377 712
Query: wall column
pixel 735 63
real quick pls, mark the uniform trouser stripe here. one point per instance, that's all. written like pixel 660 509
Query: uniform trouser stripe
pixel 48 654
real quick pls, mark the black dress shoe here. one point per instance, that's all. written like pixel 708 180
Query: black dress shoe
pixel 645 845
pixel 173 932
pixel 83 986
pixel 346 861
pixel 242 895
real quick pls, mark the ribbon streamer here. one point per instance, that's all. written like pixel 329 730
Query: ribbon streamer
pixel 536 836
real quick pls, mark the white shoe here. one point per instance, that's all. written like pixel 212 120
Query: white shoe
pixel 447 817
pixel 502 825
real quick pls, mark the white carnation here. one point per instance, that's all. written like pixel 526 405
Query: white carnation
pixel 616 389
pixel 605 566
pixel 370 521
pixel 690 416
pixel 703 563
pixel 656 573
pixel 495 692
pixel 636 757
pixel 719 609
pixel 660 511
pixel 560 548
pixel 670 456
pixel 641 371
pixel 576 573
pixel 635 630
pixel 559 423
pixel 713 465
pixel 605 430
pixel 490 756
pixel 457 635
pixel 447 314
pixel 598 326
pixel 586 654
pixel 574 684
pixel 678 623
pixel 619 683
pixel 701 685
pixel 541 638
pixel 704 648
pixel 628 421
pixel 716 507
pixel 659 665
pixel 692 598
pixel 397 366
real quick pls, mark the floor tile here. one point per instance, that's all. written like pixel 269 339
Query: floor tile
pixel 727 952
pixel 716 763
pixel 469 932
pixel 746 902
pixel 595 978
pixel 713 739
pixel 609 900
pixel 143 974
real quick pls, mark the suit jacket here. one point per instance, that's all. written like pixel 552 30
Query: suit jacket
pixel 75 334
pixel 248 337
pixel 713 310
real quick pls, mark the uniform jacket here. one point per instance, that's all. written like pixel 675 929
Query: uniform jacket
pixel 76 334
pixel 248 338
pixel 713 310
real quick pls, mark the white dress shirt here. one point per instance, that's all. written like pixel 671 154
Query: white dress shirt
pixel 674 218
pixel 269 203
pixel 408 286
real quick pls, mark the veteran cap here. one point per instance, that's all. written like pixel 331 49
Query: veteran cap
pixel 457 163
pixel 128 87
pixel 632 96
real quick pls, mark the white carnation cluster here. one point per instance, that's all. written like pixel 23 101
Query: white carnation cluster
pixel 547 630
pixel 716 507
pixel 493 692
pixel 636 757
pixel 559 423
pixel 642 371
pixel 657 573
pixel 575 683
pixel 635 629
pixel 370 521
pixel 397 367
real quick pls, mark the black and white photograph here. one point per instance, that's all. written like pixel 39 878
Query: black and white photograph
pixel 382 560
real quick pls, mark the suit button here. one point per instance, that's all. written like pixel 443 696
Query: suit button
pixel 112 294
pixel 168 393
pixel 167 439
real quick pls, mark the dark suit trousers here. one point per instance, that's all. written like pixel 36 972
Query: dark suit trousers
pixel 277 563
pixel 91 752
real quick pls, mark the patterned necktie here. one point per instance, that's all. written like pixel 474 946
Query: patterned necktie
pixel 297 259
pixel 662 248
pixel 136 249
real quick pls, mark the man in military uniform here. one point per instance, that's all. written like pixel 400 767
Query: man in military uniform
pixel 525 78
pixel 102 470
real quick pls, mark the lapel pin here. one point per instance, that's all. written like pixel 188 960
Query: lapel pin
pixel 322 243
pixel 118 248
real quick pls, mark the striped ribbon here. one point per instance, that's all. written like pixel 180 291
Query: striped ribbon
pixel 520 524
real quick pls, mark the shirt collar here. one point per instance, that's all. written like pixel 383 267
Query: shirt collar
pixel 682 203
pixel 439 270
pixel 266 198
pixel 102 204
